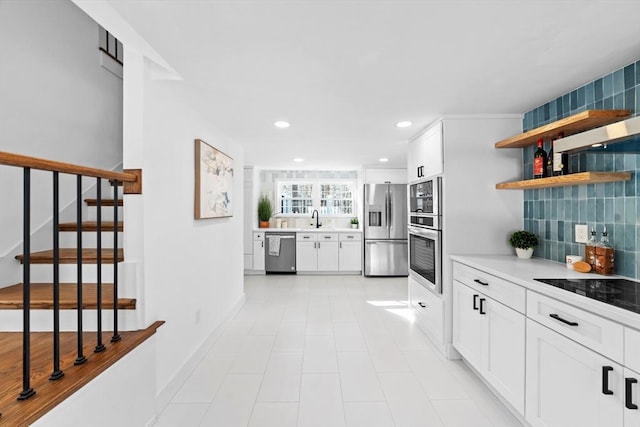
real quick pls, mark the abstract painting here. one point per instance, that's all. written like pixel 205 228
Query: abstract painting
pixel 214 182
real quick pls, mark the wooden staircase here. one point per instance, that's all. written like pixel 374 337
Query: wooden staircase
pixel 38 370
pixel 50 393
pixel 42 293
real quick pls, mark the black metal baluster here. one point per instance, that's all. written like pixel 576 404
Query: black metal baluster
pixel 27 391
pixel 116 337
pixel 81 358
pixel 99 346
pixel 57 373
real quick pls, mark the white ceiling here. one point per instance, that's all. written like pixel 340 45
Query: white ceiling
pixel 344 72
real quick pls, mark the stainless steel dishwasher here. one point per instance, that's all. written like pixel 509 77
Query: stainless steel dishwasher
pixel 280 252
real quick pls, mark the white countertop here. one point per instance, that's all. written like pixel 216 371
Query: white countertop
pixel 524 271
pixel 312 230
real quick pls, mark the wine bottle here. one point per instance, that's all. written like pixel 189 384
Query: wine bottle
pixel 560 160
pixel 550 159
pixel 539 161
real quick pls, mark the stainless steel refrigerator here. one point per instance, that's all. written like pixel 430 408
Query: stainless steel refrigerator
pixel 385 230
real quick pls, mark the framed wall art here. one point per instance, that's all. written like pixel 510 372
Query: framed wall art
pixel 214 182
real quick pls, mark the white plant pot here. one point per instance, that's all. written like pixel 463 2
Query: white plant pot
pixel 524 253
pixel 354 225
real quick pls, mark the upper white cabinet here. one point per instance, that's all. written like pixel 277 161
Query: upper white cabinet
pixel 424 157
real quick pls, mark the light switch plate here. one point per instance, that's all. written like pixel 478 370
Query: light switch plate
pixel 581 233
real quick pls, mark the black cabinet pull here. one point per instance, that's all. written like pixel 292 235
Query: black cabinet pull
pixel 482 300
pixel 421 304
pixel 605 379
pixel 555 316
pixel 628 393
pixel 475 301
pixel 480 282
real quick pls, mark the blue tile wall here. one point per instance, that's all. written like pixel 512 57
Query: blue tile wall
pixel 552 213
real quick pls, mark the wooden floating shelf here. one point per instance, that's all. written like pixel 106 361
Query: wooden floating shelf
pixel 580 122
pixel 565 180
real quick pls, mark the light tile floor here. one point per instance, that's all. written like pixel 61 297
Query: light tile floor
pixel 329 351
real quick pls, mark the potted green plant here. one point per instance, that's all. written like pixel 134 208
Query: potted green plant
pixel 524 242
pixel 354 222
pixel 264 211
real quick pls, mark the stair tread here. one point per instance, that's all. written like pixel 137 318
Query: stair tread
pixel 105 202
pixel 90 226
pixel 70 256
pixel 42 297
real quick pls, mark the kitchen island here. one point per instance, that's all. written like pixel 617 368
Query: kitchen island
pixel 557 356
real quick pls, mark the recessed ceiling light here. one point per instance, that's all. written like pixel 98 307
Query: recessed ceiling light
pixel 383 160
pixel 298 160
pixel 281 124
pixel 403 124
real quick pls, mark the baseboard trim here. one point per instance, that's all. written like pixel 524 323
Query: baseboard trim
pixel 165 395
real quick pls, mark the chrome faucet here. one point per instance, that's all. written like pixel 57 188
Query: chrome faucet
pixel 315 214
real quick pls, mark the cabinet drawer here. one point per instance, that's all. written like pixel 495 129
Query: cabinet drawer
pixel 599 334
pixel 306 237
pixel 347 237
pixel 508 293
pixel 632 349
pixel 429 311
pixel 324 237
pixel 259 235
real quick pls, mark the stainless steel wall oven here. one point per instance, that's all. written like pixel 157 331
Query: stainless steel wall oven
pixel 425 233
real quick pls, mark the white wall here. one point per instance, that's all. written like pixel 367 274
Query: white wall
pixel 56 102
pixel 125 390
pixel 192 270
pixel 381 175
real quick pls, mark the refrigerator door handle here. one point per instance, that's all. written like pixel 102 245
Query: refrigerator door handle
pixel 389 219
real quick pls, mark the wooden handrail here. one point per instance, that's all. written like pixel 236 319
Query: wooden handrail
pixel 22 161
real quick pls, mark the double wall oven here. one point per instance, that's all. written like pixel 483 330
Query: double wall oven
pixel 425 233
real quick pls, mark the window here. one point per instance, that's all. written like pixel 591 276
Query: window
pixel 110 46
pixel 331 198
pixel 295 198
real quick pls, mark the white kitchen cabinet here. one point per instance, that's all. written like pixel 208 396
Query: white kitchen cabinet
pixel 504 352
pixel 350 248
pixel 424 156
pixel 316 251
pixel 306 252
pixel 631 398
pixel 328 253
pixel 428 310
pixel 491 337
pixel 566 383
pixel 258 251
pixel 467 328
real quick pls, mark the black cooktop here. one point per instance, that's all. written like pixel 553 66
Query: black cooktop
pixel 618 292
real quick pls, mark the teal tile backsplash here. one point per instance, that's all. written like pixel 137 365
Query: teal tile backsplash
pixel 552 213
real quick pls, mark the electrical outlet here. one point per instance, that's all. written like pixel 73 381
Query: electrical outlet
pixel 581 233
